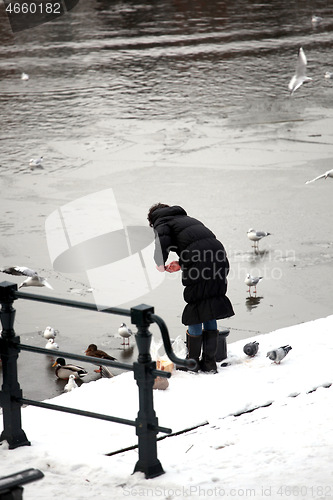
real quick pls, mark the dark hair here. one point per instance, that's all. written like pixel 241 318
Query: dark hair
pixel 152 209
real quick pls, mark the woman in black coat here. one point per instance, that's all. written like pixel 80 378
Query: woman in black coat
pixel 205 266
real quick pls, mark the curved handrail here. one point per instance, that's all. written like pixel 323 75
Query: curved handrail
pixel 186 363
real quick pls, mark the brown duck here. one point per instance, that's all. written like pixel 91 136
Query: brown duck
pixel 97 353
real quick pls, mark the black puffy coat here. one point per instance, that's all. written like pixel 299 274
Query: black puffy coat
pixel 203 261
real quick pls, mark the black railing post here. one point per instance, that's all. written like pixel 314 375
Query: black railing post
pixel 146 421
pixel 9 351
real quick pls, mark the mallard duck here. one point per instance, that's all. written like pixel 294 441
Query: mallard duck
pixel 125 333
pixel 63 371
pixel 97 353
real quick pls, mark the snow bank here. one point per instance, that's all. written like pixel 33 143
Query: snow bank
pixel 282 449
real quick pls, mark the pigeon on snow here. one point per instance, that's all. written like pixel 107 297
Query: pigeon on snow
pixel 251 348
pixel 278 354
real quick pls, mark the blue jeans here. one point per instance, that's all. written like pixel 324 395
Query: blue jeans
pixel 197 329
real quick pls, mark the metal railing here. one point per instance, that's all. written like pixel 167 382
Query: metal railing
pixel 145 372
pixel 11 487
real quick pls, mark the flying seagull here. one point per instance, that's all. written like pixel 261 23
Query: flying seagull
pixel 329 173
pixel 33 278
pixel 300 76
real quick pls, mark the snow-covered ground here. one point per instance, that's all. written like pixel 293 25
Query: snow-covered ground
pixel 281 450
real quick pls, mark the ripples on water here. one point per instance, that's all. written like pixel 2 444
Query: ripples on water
pixel 197 59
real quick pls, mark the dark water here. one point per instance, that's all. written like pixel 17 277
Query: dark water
pixel 155 60
pixel 128 60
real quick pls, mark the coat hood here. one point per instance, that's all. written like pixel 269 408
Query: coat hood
pixel 163 213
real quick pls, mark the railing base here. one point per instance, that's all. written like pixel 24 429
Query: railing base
pixel 16 441
pixel 151 470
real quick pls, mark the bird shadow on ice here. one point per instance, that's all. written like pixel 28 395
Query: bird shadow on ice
pixel 258 254
pixel 127 353
pixel 252 257
pixel 252 302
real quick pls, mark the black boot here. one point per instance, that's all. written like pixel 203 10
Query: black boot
pixel 209 347
pixel 193 343
pixel 222 350
pixel 194 349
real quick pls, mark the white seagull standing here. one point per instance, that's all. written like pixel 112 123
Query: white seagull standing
pixel 300 76
pixel 24 77
pixel 33 278
pixel 252 281
pixel 71 384
pixel 329 173
pixel 125 333
pixel 256 236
